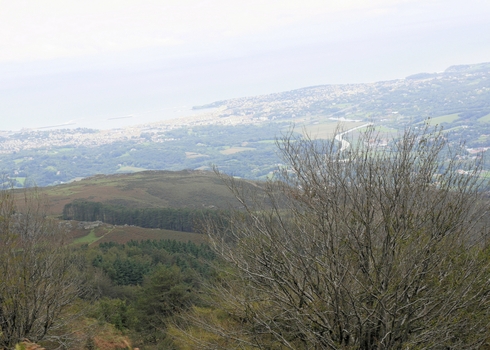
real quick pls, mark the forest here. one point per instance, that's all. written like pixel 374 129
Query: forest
pixel 182 219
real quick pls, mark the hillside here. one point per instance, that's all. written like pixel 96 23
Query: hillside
pixel 195 191
pixel 148 189
pixel 93 234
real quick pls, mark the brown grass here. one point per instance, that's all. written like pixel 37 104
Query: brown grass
pixel 148 189
pixel 123 234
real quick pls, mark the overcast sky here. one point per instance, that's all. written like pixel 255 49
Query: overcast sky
pixel 86 61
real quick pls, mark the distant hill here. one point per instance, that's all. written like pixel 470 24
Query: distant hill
pixel 148 189
pixel 197 191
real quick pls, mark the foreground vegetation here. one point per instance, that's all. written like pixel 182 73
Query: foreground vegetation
pixel 79 297
pixel 374 246
pixel 379 248
pixel 40 275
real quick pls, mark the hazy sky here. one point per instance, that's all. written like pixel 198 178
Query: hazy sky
pixel 87 61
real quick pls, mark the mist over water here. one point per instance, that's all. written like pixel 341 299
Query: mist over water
pixel 100 99
pixel 109 121
pixel 112 97
pixel 137 118
pixel 148 86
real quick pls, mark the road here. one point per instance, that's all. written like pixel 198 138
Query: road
pixel 345 144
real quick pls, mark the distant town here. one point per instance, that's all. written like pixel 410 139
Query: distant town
pixel 239 134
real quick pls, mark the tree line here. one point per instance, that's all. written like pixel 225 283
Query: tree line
pixel 176 219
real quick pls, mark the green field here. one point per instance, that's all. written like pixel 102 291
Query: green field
pixel 485 119
pixel 267 141
pixel 485 174
pixel 444 119
pixel 386 130
pixel 88 239
pixel 194 155
pixel 21 180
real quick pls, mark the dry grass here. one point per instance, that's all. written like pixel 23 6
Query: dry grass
pixel 148 189
pixel 124 234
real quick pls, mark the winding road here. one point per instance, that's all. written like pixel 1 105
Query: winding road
pixel 345 144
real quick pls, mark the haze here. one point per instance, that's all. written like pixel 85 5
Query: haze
pixel 86 63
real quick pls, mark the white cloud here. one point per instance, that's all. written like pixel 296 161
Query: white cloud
pixel 71 59
pixel 34 30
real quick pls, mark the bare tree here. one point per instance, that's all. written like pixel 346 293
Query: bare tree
pixel 368 247
pixel 38 278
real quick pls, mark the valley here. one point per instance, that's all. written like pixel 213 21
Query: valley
pixel 238 135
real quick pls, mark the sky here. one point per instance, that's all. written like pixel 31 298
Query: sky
pixel 87 63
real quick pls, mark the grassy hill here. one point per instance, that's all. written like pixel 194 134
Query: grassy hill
pixel 147 189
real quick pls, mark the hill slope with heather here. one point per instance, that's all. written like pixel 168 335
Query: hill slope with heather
pixel 148 189
pixel 177 198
